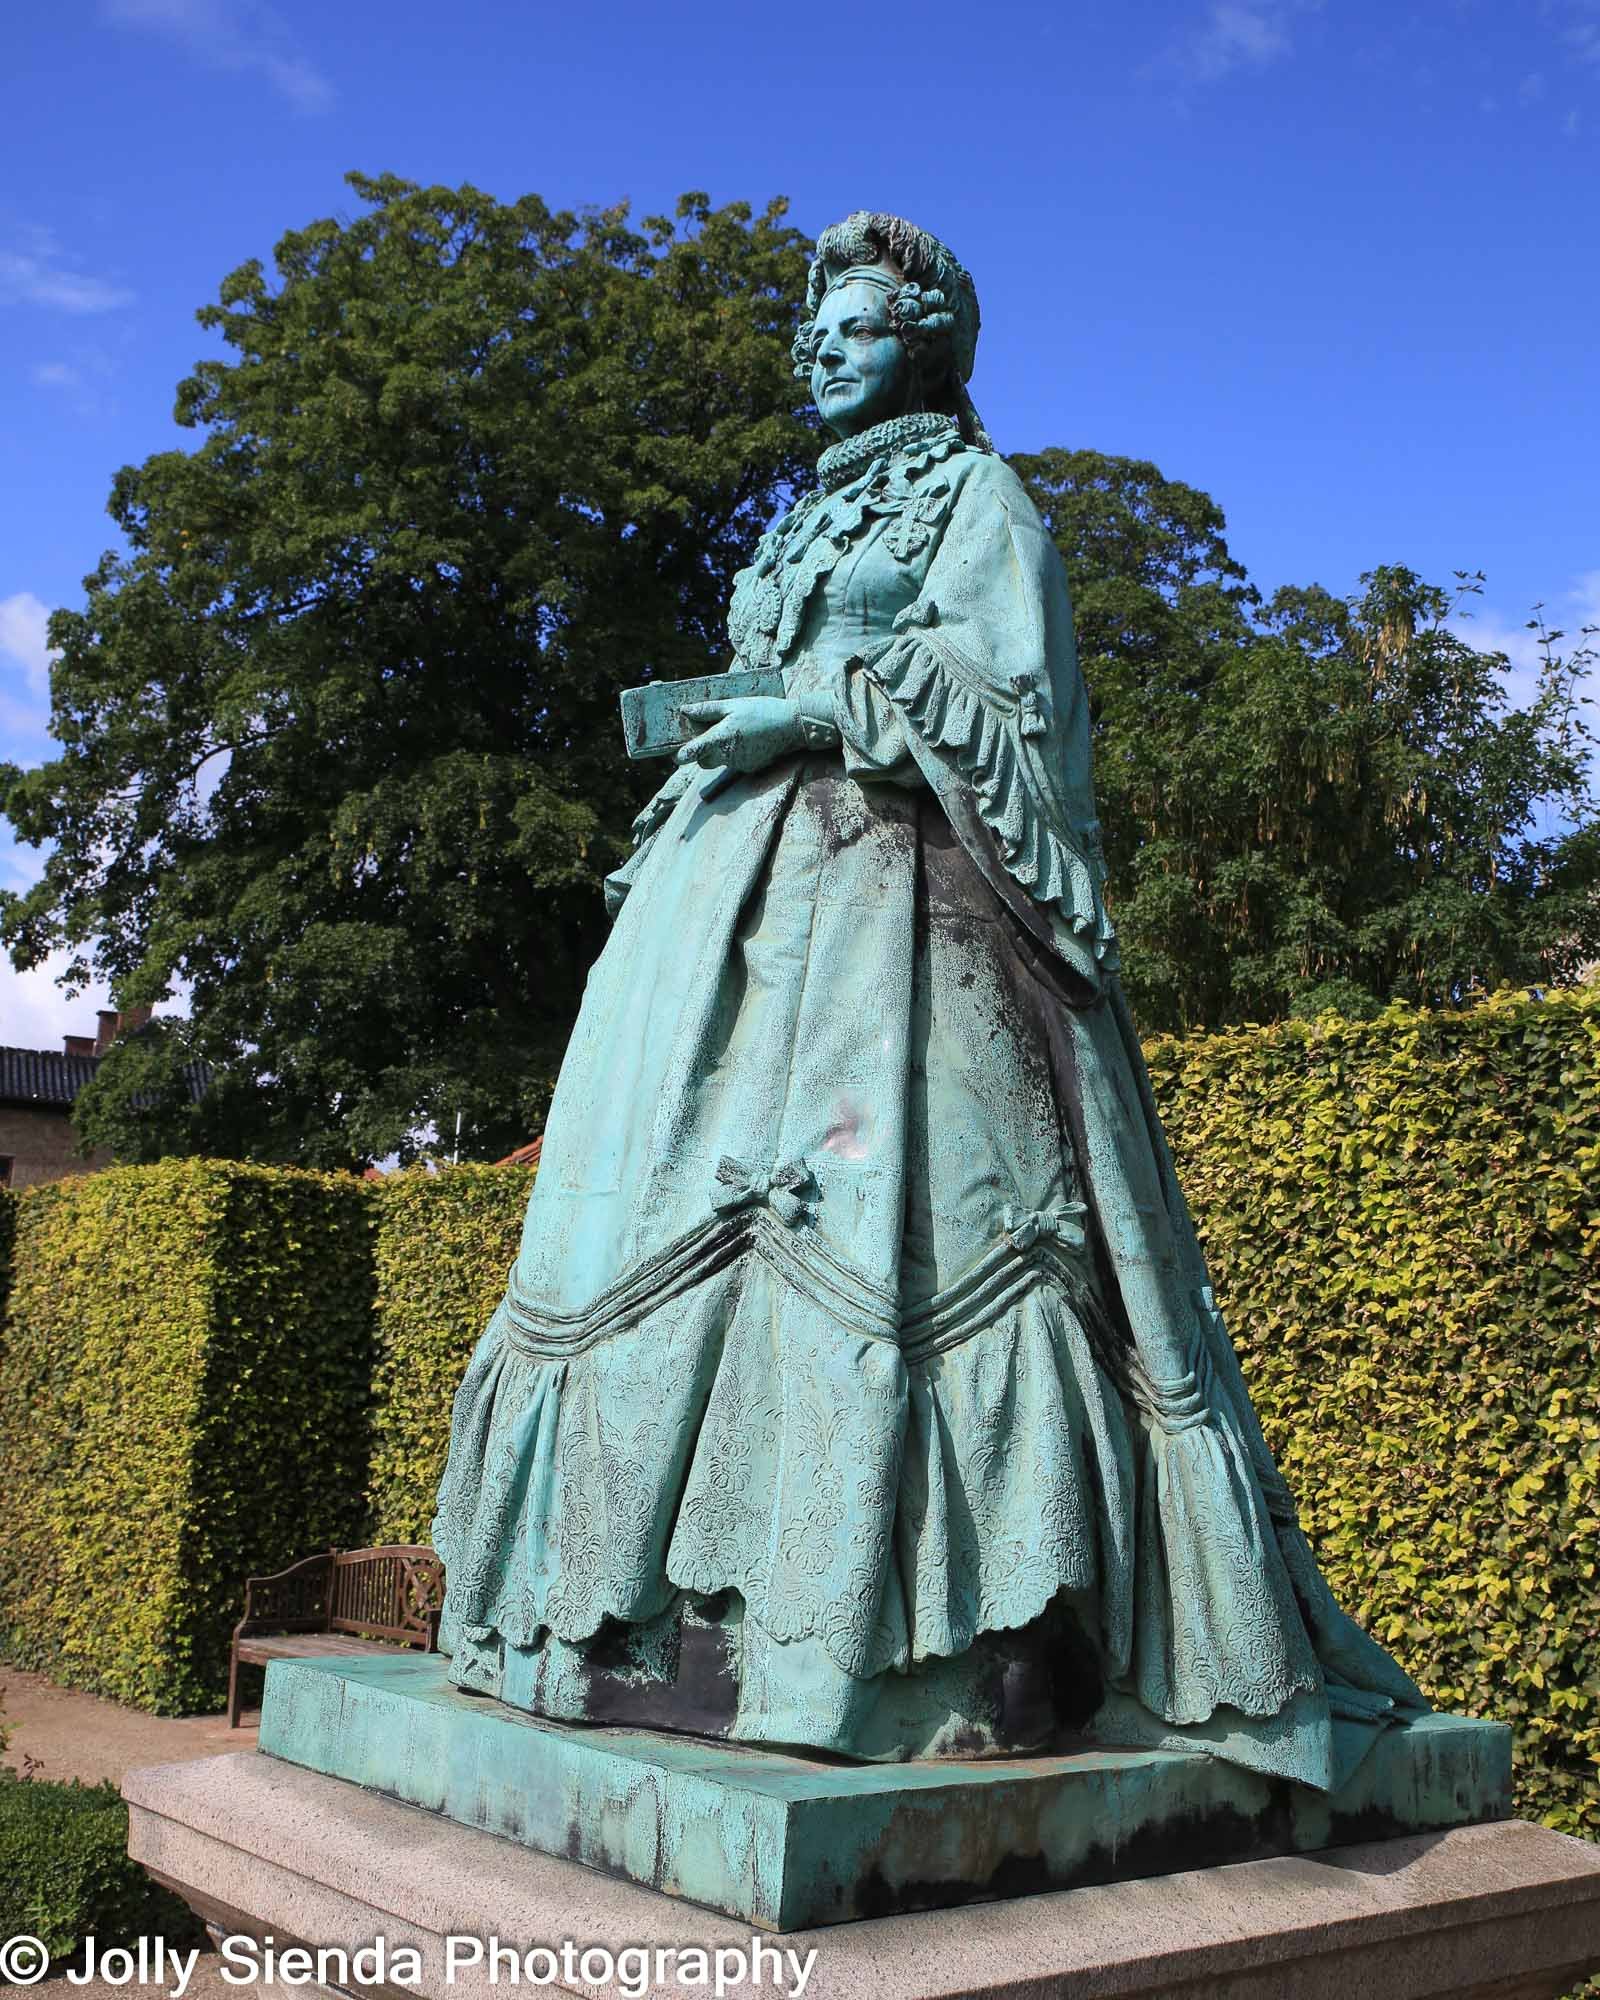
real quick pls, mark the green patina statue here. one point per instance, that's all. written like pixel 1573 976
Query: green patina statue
pixel 859 1386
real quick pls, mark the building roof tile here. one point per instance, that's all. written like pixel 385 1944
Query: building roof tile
pixel 43 1076
pixel 47 1079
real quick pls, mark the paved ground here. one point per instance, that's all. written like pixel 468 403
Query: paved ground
pixel 205 1983
pixel 80 1736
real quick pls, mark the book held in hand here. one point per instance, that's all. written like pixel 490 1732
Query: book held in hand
pixel 653 721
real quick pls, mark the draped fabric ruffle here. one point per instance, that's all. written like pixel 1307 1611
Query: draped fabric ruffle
pixel 925 684
pixel 889 1512
pixel 886 1511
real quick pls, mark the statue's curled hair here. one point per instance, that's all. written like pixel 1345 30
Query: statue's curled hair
pixel 934 308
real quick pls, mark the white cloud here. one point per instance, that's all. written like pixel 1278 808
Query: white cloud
pixel 1578 27
pixel 1237 34
pixel 24 677
pixel 35 1013
pixel 81 375
pixel 1490 632
pixel 1531 88
pixel 237 35
pixel 23 623
pixel 41 276
pixel 1583 38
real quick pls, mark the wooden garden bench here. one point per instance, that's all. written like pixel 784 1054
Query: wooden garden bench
pixel 347 1601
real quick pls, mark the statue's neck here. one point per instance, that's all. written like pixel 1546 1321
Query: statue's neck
pixel 844 461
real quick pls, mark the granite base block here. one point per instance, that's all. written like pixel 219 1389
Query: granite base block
pixel 265 1849
pixel 786 1842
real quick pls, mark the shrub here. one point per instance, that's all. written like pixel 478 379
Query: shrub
pixel 65 1872
pixel 8 1231
pixel 1403 1221
pixel 184 1384
pixel 445 1244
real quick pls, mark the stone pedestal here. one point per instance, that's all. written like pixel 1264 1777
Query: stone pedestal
pixel 264 1848
pixel 784 1842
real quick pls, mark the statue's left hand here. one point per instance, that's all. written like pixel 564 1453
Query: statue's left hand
pixel 745 735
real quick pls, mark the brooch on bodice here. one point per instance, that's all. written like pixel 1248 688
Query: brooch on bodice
pixel 917 522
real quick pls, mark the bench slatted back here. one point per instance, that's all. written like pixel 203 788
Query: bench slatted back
pixel 297 1600
pixel 392 1593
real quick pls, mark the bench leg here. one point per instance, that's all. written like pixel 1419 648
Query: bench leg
pixel 233 1689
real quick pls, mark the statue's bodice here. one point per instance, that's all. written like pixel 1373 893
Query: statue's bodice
pixel 831 577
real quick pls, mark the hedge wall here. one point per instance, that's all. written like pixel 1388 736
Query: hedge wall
pixel 445 1243
pixel 1403 1219
pixel 8 1232
pixel 184 1388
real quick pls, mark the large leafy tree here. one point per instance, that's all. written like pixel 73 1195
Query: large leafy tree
pixel 339 735
pixel 1311 801
pixel 340 752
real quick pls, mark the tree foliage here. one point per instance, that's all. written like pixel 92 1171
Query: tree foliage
pixel 340 748
pixel 340 753
pixel 1311 801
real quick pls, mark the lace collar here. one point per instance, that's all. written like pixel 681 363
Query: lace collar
pixel 844 461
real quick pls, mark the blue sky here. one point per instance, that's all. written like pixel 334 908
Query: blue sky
pixel 1332 260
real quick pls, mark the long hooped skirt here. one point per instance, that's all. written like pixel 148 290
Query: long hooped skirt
pixel 806 1417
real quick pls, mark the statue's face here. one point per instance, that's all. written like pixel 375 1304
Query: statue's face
pixel 862 372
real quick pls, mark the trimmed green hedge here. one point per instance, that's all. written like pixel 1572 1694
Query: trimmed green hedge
pixel 8 1233
pixel 184 1391
pixel 445 1244
pixel 1403 1220
pixel 65 1873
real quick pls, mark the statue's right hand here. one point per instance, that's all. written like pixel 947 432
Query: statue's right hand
pixel 746 734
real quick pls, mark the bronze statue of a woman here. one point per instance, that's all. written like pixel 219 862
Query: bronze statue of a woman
pixel 859 1385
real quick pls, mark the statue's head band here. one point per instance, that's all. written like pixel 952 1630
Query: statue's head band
pixel 867 274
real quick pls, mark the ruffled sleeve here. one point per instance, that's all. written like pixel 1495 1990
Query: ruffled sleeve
pixel 982 669
pixel 872 735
